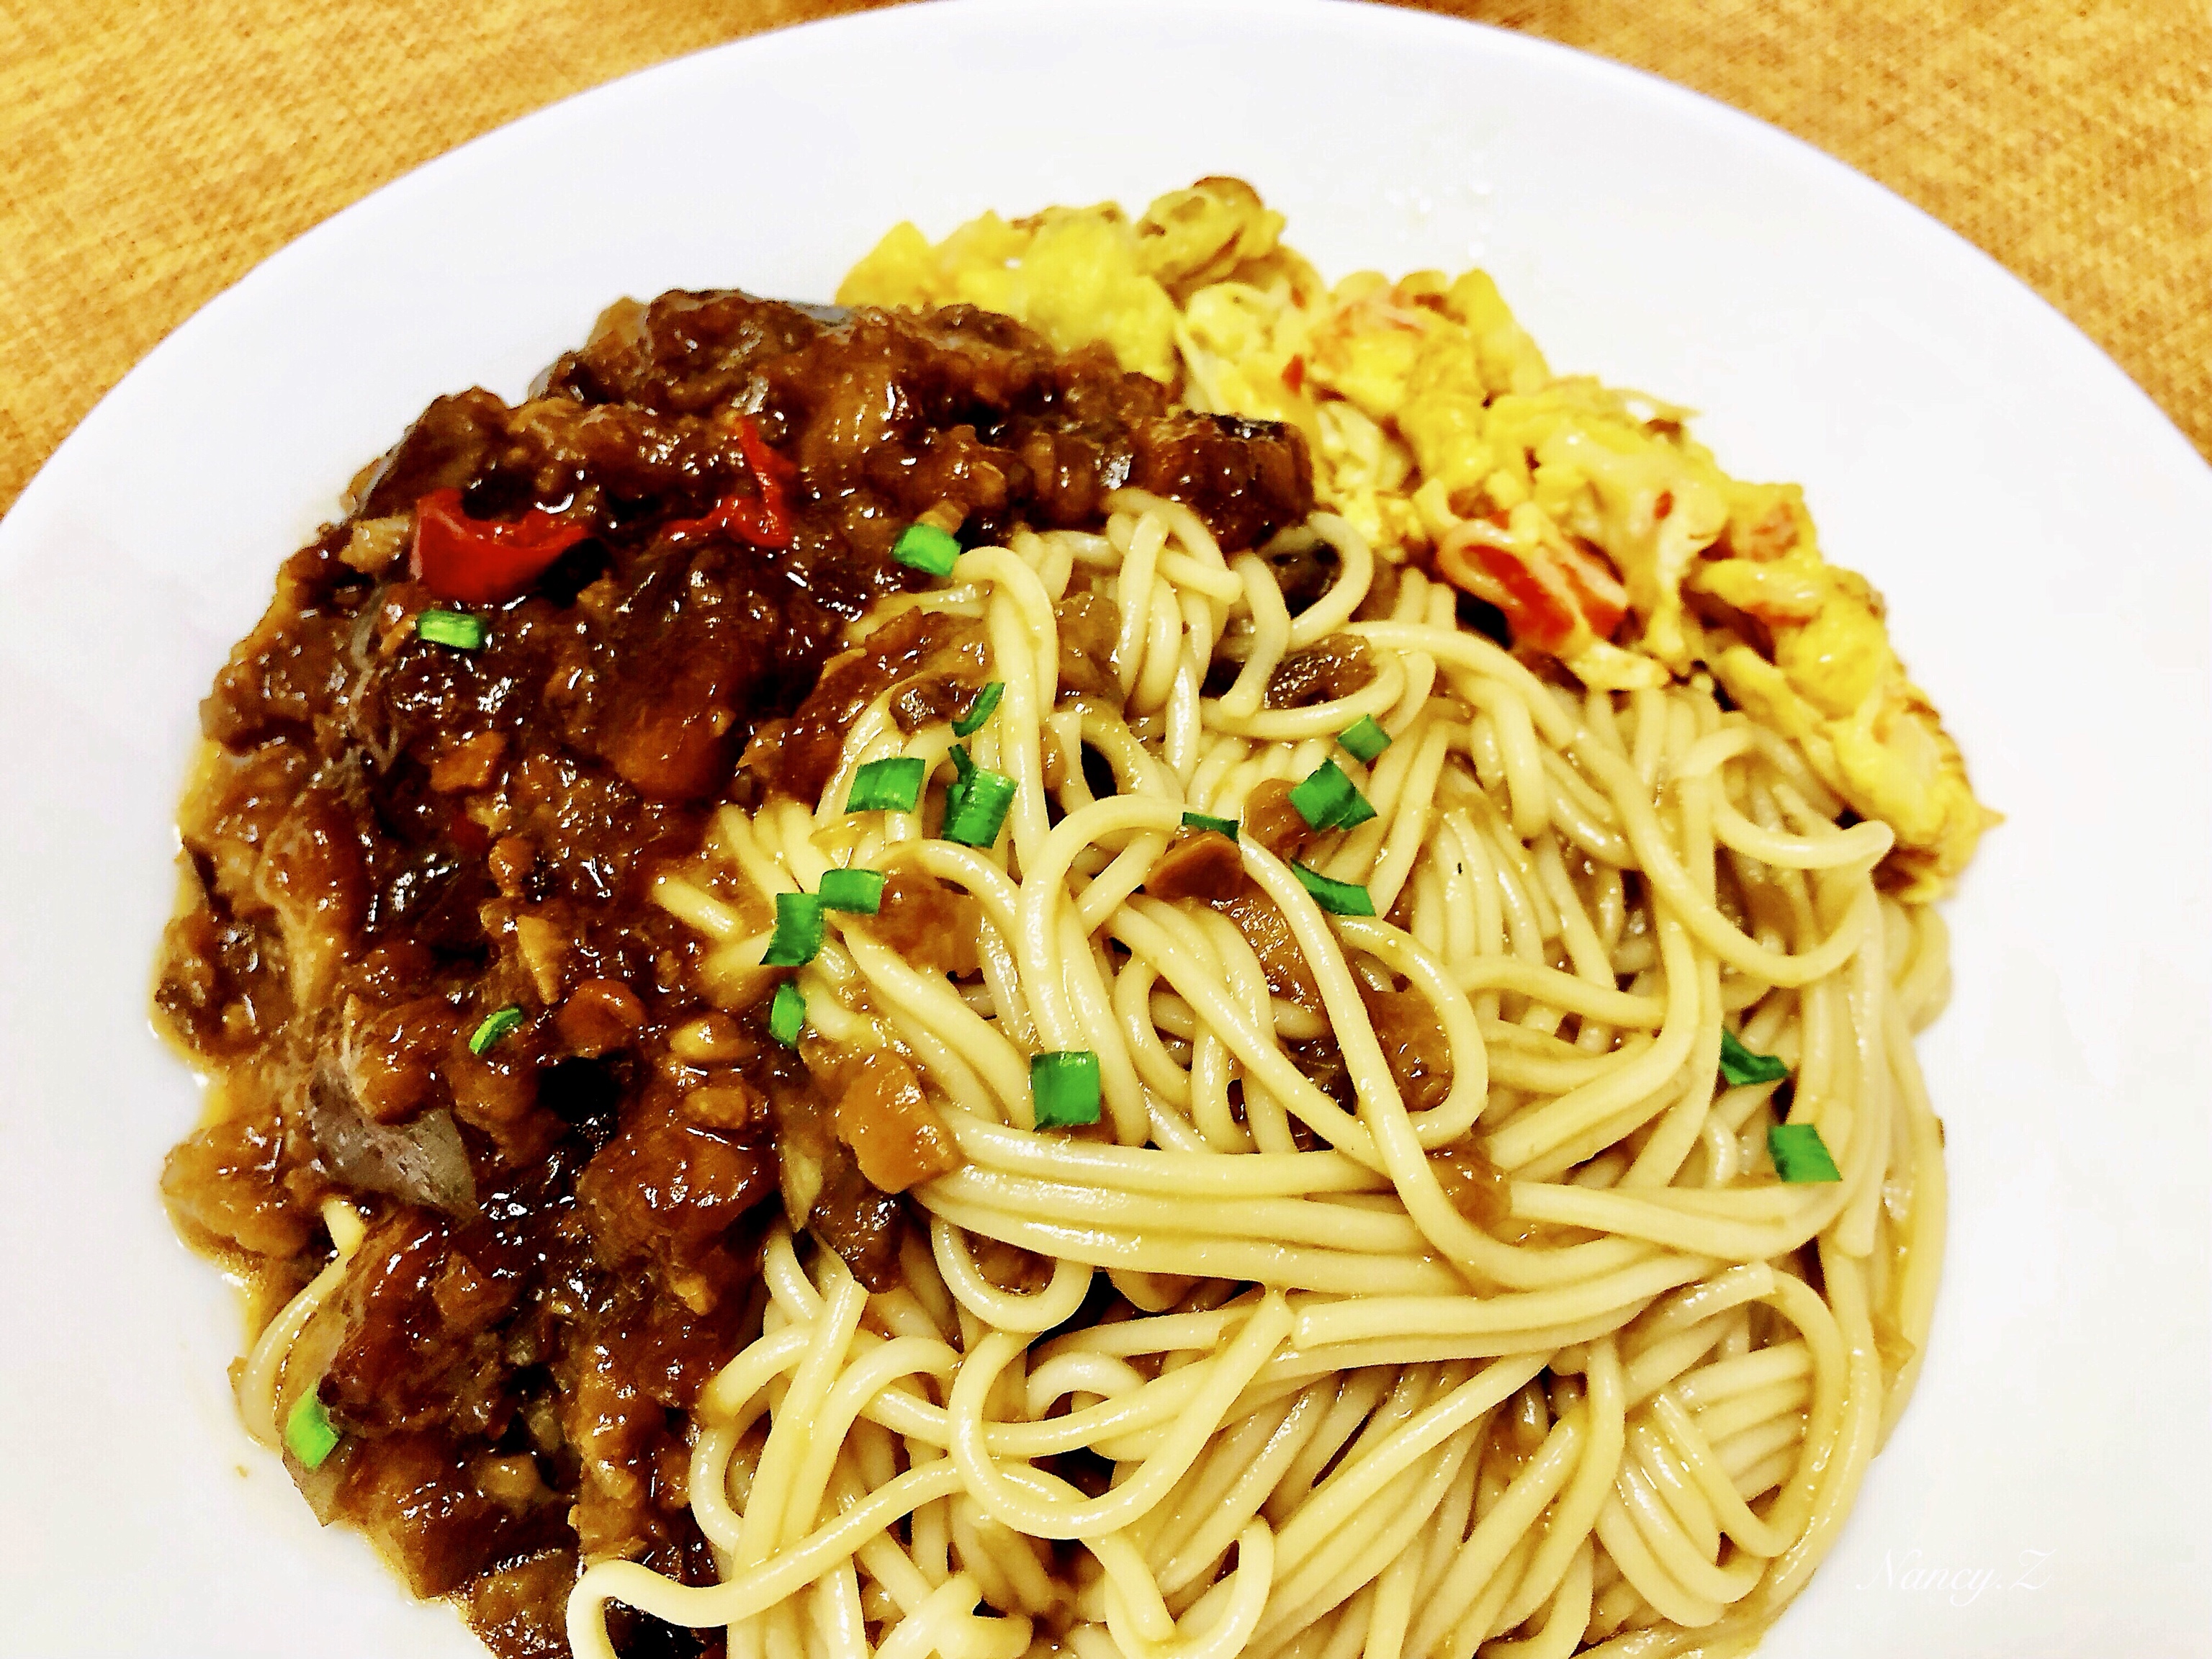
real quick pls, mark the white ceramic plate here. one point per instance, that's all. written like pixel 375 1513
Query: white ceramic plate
pixel 2039 529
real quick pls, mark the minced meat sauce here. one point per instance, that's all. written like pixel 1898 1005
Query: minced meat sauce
pixel 398 830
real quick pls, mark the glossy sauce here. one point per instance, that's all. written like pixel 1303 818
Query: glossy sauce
pixel 389 839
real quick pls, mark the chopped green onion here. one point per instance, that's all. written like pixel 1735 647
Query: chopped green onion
pixel 455 627
pixel 1329 799
pixel 887 785
pixel 787 1014
pixel 1800 1154
pixel 494 1026
pixel 980 710
pixel 1206 821
pixel 975 807
pixel 308 1435
pixel 861 891
pixel 1339 898
pixel 1064 1086
pixel 797 933
pixel 927 549
pixel 1740 1066
pixel 964 767
pixel 1364 739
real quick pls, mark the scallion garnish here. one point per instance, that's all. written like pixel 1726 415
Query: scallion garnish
pixel 1206 821
pixel 787 1014
pixel 494 1026
pixel 1339 898
pixel 860 891
pixel 1740 1066
pixel 975 807
pixel 1329 799
pixel 887 785
pixel 1365 738
pixel 1064 1087
pixel 927 549
pixel 308 1435
pixel 964 763
pixel 455 627
pixel 797 933
pixel 980 710
pixel 1800 1154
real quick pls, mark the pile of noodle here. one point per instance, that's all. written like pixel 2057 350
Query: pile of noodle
pixel 1281 1392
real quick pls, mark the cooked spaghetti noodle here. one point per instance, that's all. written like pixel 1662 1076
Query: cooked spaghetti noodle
pixel 1504 1336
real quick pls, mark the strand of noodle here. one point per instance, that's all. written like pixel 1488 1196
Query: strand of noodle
pixel 1913 1300
pixel 940 1061
pixel 1672 884
pixel 1478 657
pixel 1127 1599
pixel 1866 994
pixel 1409 827
pixel 1186 527
pixel 1085 979
pixel 1334 608
pixel 1839 850
pixel 1402 1507
pixel 1132 597
pixel 1332 1227
pixel 1381 1109
pixel 776 1497
pixel 1027 1507
pixel 1318 719
pixel 1339 1499
pixel 1393 1606
pixel 756 1589
pixel 1219 587
pixel 1683 1505
pixel 1475 1567
pixel 1575 1513
pixel 1636 1501
pixel 1632 1555
pixel 1054 1305
pixel 1165 1174
pixel 1164 654
pixel 1572 994
pixel 1566 1621
pixel 1221 1625
pixel 934 1008
pixel 1323 1323
pixel 1258 1261
pixel 1194 1537
pixel 1270 637
pixel 1521 1141
pixel 260 1376
pixel 1143 925
pixel 1527 789
pixel 1734 1517
pixel 1043 894
pixel 1630 1217
pixel 1677 1133
pixel 1185 741
pixel 1133 1004
pixel 836 1624
pixel 1025 647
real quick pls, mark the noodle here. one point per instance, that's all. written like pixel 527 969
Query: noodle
pixel 1274 1388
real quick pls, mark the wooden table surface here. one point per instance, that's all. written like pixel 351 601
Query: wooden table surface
pixel 155 150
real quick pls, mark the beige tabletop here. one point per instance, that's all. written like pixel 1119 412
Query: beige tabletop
pixel 155 150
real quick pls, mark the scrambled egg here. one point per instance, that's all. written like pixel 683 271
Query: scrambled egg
pixel 1608 538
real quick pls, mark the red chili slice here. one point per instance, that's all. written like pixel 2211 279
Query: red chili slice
pixel 763 521
pixel 484 561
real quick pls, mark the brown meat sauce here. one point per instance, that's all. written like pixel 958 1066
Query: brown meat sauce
pixel 388 839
